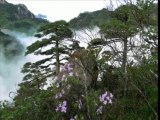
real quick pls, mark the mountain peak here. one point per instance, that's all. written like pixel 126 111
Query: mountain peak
pixel 23 12
pixel 2 1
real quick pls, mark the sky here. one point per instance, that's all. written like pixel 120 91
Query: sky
pixel 62 9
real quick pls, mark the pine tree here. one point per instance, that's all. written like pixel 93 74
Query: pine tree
pixel 54 35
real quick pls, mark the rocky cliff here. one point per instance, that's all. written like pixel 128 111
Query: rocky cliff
pixel 14 12
pixel 2 1
pixel 23 12
pixel 18 17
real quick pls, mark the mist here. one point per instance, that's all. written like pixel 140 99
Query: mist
pixel 10 65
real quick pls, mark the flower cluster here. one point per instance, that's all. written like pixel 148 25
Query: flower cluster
pixel 64 87
pixel 105 98
pixel 68 68
pixel 62 107
pixel 66 71
pixel 60 94
pixel 99 110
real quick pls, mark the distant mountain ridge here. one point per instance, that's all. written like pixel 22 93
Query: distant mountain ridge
pixel 90 19
pixel 41 16
pixel 17 17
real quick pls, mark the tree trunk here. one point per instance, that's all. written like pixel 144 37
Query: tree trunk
pixel 124 64
pixel 124 59
pixel 57 58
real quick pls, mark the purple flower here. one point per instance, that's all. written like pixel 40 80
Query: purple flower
pixel 71 74
pixel 108 98
pixel 64 78
pixel 105 102
pixel 104 95
pixel 110 101
pixel 101 98
pixel 55 79
pixel 104 98
pixel 71 65
pixel 64 69
pixel 70 70
pixel 63 109
pixel 64 103
pixel 60 95
pixel 99 110
pixel 56 96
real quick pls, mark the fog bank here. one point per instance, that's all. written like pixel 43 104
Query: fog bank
pixel 10 68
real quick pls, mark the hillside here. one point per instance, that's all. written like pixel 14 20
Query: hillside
pixel 96 18
pixel 9 47
pixel 18 17
pixel 90 19
pixel 15 18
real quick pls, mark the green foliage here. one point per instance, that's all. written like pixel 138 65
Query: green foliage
pixel 149 12
pixel 38 44
pixel 126 13
pixel 96 41
pixel 40 106
pixel 12 17
pixel 53 34
pixel 90 19
pixel 59 28
pixel 117 29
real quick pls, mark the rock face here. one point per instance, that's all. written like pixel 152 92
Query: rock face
pixel 23 12
pixel 18 18
pixel 14 12
pixel 2 1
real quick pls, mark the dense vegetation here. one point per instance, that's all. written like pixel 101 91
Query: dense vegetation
pixel 90 19
pixel 89 85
